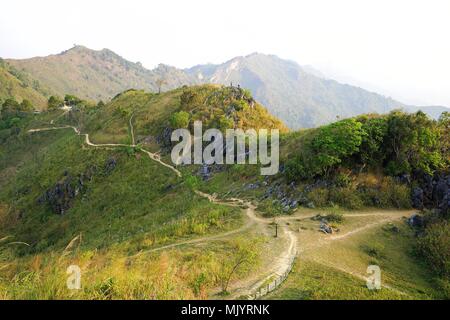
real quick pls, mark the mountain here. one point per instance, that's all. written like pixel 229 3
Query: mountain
pixel 433 111
pixel 97 75
pixel 301 96
pixel 297 95
pixel 19 85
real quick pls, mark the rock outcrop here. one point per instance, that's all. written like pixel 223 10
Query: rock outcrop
pixel 60 197
pixel 433 192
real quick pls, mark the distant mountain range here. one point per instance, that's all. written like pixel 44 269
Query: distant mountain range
pixel 96 75
pixel 300 96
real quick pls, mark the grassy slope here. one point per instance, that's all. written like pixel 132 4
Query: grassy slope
pixel 95 75
pixel 325 273
pixel 121 214
pixel 12 87
pixel 139 206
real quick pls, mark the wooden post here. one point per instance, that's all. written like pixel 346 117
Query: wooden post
pixel 276 230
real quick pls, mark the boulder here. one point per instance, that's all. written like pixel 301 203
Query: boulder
pixel 417 198
pixel 110 165
pixel 415 221
pixel 325 228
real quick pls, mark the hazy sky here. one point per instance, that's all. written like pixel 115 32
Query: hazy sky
pixel 401 48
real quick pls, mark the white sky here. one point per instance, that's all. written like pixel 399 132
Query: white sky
pixel 402 48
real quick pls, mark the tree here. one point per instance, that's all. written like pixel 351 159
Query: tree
pixel 371 151
pixel 72 100
pixel 224 123
pixel 10 108
pixel 54 102
pixel 412 144
pixel 179 120
pixel 243 255
pixel 326 147
pixel 160 82
pixel 26 106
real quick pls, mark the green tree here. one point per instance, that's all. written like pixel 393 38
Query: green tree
pixel 334 143
pixel 10 108
pixel 26 106
pixel 412 143
pixel 179 120
pixel 72 100
pixel 327 148
pixel 54 102
pixel 371 151
pixel 224 123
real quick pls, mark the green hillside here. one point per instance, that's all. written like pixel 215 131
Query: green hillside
pixel 97 75
pixel 61 199
pixel 94 187
pixel 18 85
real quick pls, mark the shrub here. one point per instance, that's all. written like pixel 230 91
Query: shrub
pixel 192 182
pixel 394 194
pixel 72 100
pixel 335 217
pixel 346 197
pixel 327 148
pixel 179 120
pixel 54 102
pixel 434 245
pixel 26 106
pixel 375 250
pixel 342 179
pixel 319 196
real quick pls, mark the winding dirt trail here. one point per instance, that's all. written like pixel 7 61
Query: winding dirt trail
pixel 151 155
pixel 281 262
pixel 278 267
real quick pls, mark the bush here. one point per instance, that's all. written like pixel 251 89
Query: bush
pixel 72 100
pixel 319 197
pixel 434 245
pixel 342 179
pixel 327 148
pixel 179 120
pixel 192 182
pixel 346 197
pixel 394 194
pixel 26 106
pixel 374 250
pixel 54 102
pixel 335 217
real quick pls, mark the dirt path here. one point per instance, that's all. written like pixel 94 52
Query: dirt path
pixel 390 216
pixel 277 267
pixel 151 155
pixel 282 262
